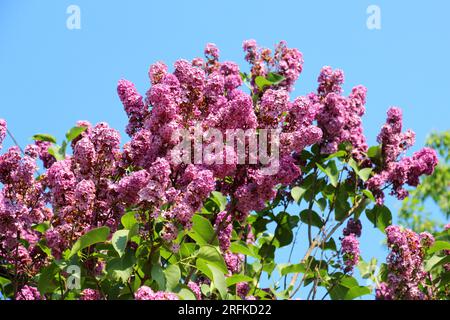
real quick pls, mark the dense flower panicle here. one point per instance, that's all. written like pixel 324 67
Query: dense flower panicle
pixel 156 72
pixel 330 81
pixel 340 117
pixel 129 186
pixel 406 274
pixel 242 289
pixel 350 251
pixel 195 288
pixel 225 227
pixel 133 104
pixel 404 171
pixel 146 293
pixel 353 227
pixel 391 138
pixel 90 294
pixel 212 58
pixel 288 63
pixel 28 293
pixel 407 171
pixel 234 262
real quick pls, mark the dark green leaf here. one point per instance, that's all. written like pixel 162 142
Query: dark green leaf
pixel 315 218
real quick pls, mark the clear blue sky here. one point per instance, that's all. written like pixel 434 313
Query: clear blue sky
pixel 52 76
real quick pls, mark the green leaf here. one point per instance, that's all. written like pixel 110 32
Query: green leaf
pixel 322 203
pixel 364 174
pixel 219 199
pixel 173 275
pixel 438 246
pixel 357 291
pixel 436 261
pixel 331 171
pixel 267 251
pixel 74 133
pixel 330 245
pixel 315 218
pixel 186 294
pixel 56 152
pixel 121 268
pixel 237 278
pixel 202 266
pixel 338 154
pixel 297 193
pixel 158 275
pixel 380 216
pixel 202 231
pixel 219 281
pixel 42 227
pixel 47 279
pixel 119 241
pixel 293 268
pixel 369 194
pixel 212 256
pixel 284 235
pixel 262 82
pixel 242 247
pixel 44 137
pixel 91 237
pixel 374 153
pixel 275 78
pixel 128 220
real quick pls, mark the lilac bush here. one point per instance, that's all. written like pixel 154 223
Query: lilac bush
pixel 140 224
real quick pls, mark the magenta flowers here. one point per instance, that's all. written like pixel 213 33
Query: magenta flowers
pixel 185 208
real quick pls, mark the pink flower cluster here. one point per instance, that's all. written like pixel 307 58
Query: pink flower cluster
pixel 350 244
pixel 28 293
pixel 146 293
pixel 206 94
pixel 339 117
pixel 406 171
pixel 406 274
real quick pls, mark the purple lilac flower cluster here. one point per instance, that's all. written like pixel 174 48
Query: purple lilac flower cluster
pixel 406 274
pixel 146 293
pixel 350 244
pixel 406 171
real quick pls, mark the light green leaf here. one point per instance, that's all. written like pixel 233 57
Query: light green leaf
pixel 119 241
pixel 219 281
pixel 262 82
pixel 242 247
pixel 212 256
pixel 364 174
pixel 91 237
pixel 186 294
pixel 237 278
pixel 202 231
pixel 297 193
pixel 438 246
pixel 173 275
pixel 74 133
pixel 44 137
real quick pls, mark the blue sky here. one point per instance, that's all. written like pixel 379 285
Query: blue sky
pixel 52 76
